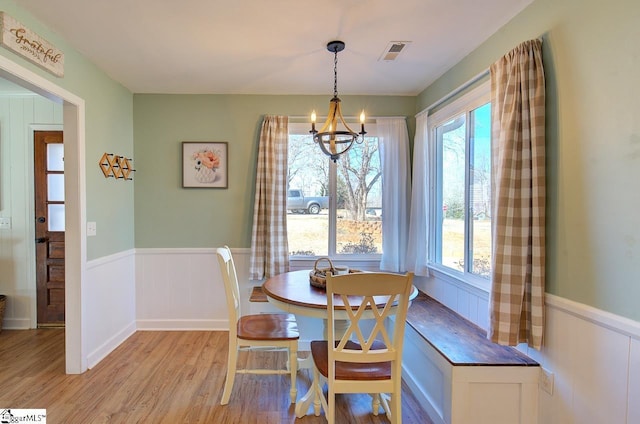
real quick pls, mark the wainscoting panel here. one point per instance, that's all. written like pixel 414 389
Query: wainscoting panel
pixel 634 383
pixel 109 297
pixel 594 356
pixel 180 289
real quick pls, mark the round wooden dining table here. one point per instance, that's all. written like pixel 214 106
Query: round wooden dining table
pixel 293 293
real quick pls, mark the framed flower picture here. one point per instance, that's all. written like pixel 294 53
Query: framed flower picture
pixel 204 164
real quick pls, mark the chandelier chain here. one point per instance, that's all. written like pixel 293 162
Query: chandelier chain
pixel 335 73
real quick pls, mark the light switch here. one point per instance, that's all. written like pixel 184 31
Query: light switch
pixel 91 228
pixel 5 223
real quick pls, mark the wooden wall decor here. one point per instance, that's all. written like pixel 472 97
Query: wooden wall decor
pixel 118 167
pixel 26 43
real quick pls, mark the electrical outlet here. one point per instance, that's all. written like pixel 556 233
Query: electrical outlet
pixel 91 228
pixel 5 223
pixel 546 380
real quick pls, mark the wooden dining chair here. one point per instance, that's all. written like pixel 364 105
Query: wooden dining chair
pixel 367 358
pixel 259 331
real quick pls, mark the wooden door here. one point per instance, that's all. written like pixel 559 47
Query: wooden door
pixel 49 215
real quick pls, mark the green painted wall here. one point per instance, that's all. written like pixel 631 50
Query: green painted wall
pixel 592 63
pixel 168 215
pixel 592 67
pixel 109 128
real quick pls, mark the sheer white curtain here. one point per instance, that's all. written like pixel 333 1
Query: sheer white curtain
pixel 418 243
pixel 396 186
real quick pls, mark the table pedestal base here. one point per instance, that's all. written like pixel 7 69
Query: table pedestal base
pixel 340 328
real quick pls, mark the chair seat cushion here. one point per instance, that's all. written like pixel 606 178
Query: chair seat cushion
pixel 350 370
pixel 268 327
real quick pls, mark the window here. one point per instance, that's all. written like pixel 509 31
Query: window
pixel 334 209
pixel 462 191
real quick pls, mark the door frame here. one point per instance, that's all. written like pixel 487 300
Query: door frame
pixel 75 210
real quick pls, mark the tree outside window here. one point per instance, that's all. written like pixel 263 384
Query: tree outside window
pixel 352 222
pixel 463 190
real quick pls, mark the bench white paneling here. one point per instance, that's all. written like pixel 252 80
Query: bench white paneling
pixel 462 377
pixel 494 395
pixel 469 394
pixel 594 356
pixel 428 375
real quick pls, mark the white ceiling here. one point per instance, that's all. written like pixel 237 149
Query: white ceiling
pixel 273 46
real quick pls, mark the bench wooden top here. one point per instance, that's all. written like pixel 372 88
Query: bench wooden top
pixel 457 339
pixel 257 295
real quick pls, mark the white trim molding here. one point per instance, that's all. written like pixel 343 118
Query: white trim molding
pixel 605 319
pixel 75 194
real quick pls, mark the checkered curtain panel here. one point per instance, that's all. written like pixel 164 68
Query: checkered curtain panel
pixel 269 246
pixel 518 137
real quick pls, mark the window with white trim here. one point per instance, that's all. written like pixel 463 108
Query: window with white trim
pixel 461 193
pixel 334 209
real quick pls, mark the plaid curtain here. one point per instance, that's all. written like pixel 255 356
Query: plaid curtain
pixel 516 306
pixel 269 246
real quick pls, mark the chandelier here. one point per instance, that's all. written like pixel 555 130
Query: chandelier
pixel 334 140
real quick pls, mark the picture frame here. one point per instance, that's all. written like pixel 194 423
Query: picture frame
pixel 205 164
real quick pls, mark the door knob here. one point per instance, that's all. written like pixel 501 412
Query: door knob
pixel 41 219
pixel 41 239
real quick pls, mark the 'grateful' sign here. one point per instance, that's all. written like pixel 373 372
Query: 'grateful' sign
pixel 26 43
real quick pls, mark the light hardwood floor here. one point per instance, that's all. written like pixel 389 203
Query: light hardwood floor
pixel 160 377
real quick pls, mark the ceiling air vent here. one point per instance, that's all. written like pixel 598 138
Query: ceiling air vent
pixel 393 49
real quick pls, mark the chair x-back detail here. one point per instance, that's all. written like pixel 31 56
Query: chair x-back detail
pixel 262 331
pixel 367 358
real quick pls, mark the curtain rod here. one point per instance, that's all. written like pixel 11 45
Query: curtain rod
pixel 448 96
pixel 346 117
pixel 462 87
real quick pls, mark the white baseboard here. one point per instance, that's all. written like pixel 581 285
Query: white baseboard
pixel 16 324
pixel 182 325
pixel 109 346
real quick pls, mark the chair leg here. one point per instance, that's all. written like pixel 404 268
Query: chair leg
pixel 231 371
pixel 384 401
pixel 293 367
pixel 396 408
pixel 330 412
pixel 375 403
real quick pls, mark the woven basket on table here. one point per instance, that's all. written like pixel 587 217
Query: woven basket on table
pixel 3 304
pixel 318 275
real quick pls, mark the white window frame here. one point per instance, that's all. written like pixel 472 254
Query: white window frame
pixel 471 100
pixel 365 262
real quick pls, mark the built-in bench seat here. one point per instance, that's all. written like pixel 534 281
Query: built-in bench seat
pixel 258 295
pixel 461 375
pixel 258 302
